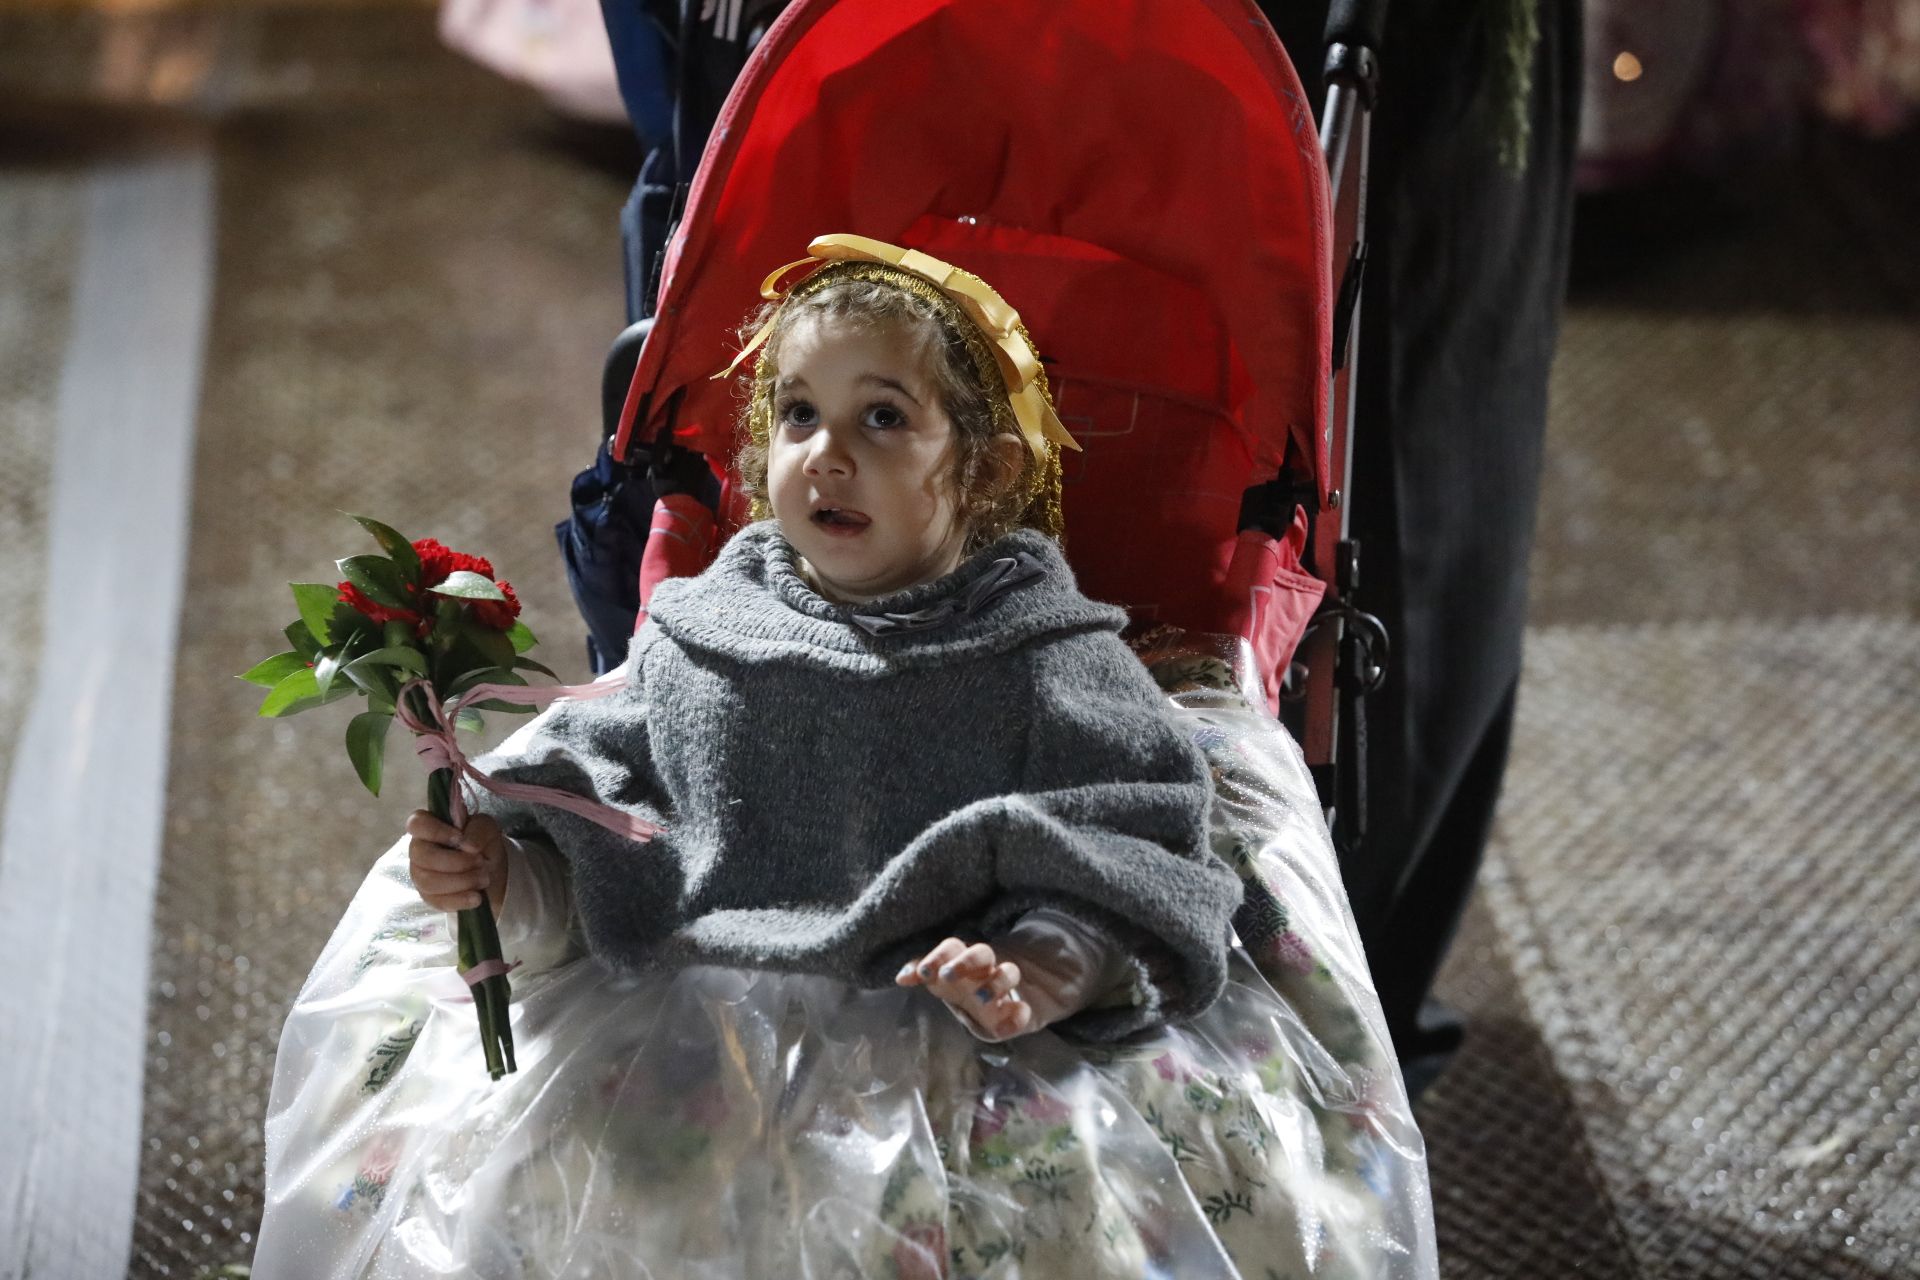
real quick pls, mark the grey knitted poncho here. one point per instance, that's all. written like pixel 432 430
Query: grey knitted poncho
pixel 843 786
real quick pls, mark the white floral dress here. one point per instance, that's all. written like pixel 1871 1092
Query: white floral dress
pixel 714 1123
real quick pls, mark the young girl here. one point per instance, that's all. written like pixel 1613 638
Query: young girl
pixel 931 970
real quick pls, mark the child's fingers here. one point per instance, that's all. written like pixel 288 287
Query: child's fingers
pixel 448 892
pixel 958 979
pixel 983 992
pixel 972 966
pixel 1007 1017
pixel 422 825
pixel 481 833
pixel 445 877
pixel 920 972
pixel 452 869
pixel 427 880
pixel 438 857
pixel 1003 1018
pixel 991 999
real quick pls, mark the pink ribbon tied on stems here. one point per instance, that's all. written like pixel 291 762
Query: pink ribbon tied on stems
pixel 439 748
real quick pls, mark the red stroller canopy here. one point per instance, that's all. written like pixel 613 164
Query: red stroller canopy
pixel 1141 179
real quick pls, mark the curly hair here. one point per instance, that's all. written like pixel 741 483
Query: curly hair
pixel 991 501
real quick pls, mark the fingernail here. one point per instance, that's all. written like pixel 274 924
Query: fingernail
pixel 926 970
pixel 1013 997
pixel 906 971
pixel 984 995
pixel 946 973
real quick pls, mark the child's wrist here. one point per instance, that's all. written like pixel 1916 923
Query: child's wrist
pixel 497 888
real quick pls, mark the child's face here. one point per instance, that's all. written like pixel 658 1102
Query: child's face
pixel 860 463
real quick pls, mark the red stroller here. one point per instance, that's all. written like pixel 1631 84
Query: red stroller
pixel 1141 179
pixel 1145 183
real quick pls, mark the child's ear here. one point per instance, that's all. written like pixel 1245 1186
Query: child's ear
pixel 1009 454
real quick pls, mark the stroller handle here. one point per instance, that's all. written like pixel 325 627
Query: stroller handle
pixel 1356 23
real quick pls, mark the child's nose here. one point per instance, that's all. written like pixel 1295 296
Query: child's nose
pixel 827 454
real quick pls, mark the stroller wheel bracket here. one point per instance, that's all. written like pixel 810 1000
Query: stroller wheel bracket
pixel 1361 664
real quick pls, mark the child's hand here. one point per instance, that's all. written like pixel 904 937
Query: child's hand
pixel 450 868
pixel 974 982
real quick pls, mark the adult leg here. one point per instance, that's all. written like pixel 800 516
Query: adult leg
pixel 1464 286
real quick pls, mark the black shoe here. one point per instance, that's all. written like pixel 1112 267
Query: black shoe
pixel 1436 1037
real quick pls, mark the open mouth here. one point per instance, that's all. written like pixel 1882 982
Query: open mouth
pixel 840 520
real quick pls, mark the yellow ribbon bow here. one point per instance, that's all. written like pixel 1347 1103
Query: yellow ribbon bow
pixel 1019 365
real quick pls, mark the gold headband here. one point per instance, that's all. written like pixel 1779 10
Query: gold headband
pixel 1013 351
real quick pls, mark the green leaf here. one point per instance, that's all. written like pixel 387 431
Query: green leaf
pixel 275 669
pixel 345 620
pixel 363 642
pixel 404 557
pixel 521 636
pixel 378 579
pixel 494 675
pixel 468 585
pixel 398 633
pixel 376 682
pixel 341 689
pixel 528 664
pixel 476 675
pixel 447 627
pixel 470 720
pixel 316 601
pixel 325 667
pixel 381 672
pixel 301 638
pixel 367 746
pixel 494 648
pixel 499 704
pixel 296 687
pixel 404 656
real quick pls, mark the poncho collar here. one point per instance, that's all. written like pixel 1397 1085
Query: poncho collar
pixel 753 603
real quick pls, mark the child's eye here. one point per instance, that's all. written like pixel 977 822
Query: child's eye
pixel 799 413
pixel 885 417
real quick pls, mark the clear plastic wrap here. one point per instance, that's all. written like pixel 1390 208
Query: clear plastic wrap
pixel 712 1123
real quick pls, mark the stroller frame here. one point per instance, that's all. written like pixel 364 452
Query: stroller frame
pixel 1345 652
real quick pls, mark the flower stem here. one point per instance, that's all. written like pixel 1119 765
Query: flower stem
pixel 478 941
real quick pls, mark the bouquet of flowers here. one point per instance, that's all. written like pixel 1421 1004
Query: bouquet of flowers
pixel 427 635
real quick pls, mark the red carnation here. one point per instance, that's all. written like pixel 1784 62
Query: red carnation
pixel 437 564
pixel 496 613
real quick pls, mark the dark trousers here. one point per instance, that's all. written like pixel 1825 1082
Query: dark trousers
pixel 1459 320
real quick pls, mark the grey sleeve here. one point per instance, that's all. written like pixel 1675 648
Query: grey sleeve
pixel 598 748
pixel 1111 830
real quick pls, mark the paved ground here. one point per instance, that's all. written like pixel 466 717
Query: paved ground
pixel 1691 975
